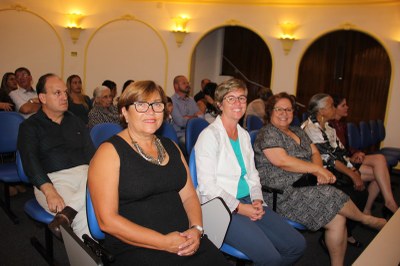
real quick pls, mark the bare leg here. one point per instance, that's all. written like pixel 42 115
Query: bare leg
pixel 373 192
pixel 335 239
pixel 351 211
pixel 381 175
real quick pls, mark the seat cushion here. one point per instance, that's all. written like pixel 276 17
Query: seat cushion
pixel 8 173
pixel 36 212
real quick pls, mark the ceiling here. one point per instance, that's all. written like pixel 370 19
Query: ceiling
pixel 284 2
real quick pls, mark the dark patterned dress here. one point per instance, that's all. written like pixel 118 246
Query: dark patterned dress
pixel 313 206
pixel 149 196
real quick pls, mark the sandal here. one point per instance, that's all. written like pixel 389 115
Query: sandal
pixel 356 243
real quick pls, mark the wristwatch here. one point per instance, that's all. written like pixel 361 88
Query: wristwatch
pixel 199 228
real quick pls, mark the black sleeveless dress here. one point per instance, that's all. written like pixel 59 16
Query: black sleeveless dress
pixel 149 196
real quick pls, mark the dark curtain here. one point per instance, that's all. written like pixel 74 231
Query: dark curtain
pixel 351 64
pixel 251 56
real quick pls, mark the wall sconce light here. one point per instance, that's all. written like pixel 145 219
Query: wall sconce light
pixel 287 38
pixel 180 30
pixel 74 27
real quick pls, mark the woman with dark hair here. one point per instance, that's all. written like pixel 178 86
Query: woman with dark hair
pixel 284 155
pixel 257 106
pixel 78 103
pixel 373 167
pixel 8 84
pixel 142 192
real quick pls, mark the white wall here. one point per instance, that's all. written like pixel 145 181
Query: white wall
pixel 36 23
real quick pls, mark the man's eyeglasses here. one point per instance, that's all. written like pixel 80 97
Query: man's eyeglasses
pixel 232 99
pixel 281 110
pixel 142 107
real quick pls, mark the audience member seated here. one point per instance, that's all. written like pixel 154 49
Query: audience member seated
pixel 55 149
pixel 200 95
pixel 112 86
pixel 285 154
pixel 184 108
pixel 8 84
pixel 142 193
pixel 373 167
pixel 207 105
pixel 103 111
pixel 168 110
pixel 78 103
pixel 257 106
pixel 225 168
pixel 25 97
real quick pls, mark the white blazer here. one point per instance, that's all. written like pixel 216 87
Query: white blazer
pixel 218 171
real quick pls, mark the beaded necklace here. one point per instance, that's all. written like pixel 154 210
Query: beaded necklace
pixel 160 151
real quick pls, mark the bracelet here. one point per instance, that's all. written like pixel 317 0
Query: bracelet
pixel 199 228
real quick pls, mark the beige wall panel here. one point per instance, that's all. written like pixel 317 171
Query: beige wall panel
pixel 29 41
pixel 125 50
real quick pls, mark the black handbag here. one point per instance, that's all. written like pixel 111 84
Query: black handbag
pixel 306 180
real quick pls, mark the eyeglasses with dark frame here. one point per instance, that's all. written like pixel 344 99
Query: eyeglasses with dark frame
pixel 142 107
pixel 232 99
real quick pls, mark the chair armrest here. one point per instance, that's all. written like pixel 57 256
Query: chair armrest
pixel 98 249
pixel 275 192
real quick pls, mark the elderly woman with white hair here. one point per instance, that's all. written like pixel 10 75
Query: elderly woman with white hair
pixel 103 110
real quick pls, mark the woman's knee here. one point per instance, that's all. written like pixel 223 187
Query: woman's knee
pixel 337 223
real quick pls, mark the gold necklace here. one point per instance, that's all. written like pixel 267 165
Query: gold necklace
pixel 160 151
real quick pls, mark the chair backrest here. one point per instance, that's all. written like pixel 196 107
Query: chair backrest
pixel 365 135
pixel 296 121
pixel 214 228
pixel 101 132
pixel 9 126
pixel 193 129
pixel 253 135
pixel 94 227
pixel 253 122
pixel 21 173
pixel 381 129
pixel 168 131
pixel 304 116
pixel 374 131
pixel 353 136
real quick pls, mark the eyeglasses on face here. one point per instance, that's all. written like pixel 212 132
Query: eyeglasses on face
pixel 232 99
pixel 280 110
pixel 142 107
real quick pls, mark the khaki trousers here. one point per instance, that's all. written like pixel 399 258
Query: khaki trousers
pixel 71 185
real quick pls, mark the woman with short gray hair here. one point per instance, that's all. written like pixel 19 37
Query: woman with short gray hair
pixel 103 110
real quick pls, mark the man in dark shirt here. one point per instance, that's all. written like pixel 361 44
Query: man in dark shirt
pixel 56 148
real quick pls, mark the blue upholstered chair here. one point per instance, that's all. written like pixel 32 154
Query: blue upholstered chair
pixel 168 131
pixel 227 249
pixel 253 136
pixel 101 132
pixel 253 122
pixel 193 129
pixel 39 215
pixel 9 126
pixel 353 136
pixel 366 141
pixel 379 133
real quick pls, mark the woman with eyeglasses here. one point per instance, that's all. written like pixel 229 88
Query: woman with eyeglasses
pixel 285 154
pixel 225 168
pixel 142 192
pixel 103 110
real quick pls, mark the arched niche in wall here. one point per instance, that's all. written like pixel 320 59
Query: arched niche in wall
pixel 348 63
pixel 125 49
pixel 30 41
pixel 232 51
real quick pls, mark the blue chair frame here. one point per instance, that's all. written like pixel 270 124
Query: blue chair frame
pixel 193 129
pixel 101 132
pixel 168 131
pixel 9 127
pixel 241 258
pixel 39 215
pixel 253 123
